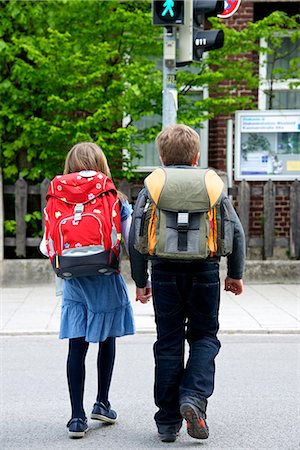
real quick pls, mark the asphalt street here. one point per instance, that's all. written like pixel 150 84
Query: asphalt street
pixel 255 405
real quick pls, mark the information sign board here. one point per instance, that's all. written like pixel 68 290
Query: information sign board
pixel 267 145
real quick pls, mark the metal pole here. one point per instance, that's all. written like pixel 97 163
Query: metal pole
pixel 170 103
pixel 229 154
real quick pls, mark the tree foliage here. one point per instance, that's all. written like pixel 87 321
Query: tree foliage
pixel 231 73
pixel 73 70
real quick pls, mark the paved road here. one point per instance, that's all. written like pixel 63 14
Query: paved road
pixel 255 406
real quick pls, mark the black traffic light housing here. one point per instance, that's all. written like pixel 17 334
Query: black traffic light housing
pixel 168 12
pixel 205 40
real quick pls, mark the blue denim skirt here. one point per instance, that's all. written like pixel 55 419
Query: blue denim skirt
pixel 96 307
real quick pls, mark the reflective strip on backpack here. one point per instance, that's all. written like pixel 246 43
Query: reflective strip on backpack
pixel 152 232
pixel 213 232
pixel 83 251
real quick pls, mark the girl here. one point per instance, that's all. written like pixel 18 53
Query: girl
pixel 94 309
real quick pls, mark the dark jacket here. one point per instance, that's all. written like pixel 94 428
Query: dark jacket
pixel 235 261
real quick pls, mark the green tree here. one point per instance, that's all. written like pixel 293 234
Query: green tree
pixel 71 71
pixel 231 73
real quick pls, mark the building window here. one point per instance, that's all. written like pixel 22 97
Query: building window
pixel 275 88
pixel 149 158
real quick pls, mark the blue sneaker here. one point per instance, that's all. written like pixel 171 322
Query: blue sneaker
pixel 103 413
pixel 77 427
pixel 195 420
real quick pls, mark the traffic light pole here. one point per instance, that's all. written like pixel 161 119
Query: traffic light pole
pixel 170 102
pixel 194 40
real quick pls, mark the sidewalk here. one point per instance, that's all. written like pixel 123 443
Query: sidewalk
pixel 263 308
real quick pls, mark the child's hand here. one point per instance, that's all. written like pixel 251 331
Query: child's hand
pixel 234 286
pixel 143 295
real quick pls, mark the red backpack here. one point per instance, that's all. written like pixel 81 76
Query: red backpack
pixel 83 224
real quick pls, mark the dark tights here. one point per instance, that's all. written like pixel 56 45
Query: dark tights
pixel 76 371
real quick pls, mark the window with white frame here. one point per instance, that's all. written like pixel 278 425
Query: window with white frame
pixel 275 90
pixel 149 158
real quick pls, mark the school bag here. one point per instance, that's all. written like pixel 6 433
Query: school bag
pixel 83 225
pixel 181 216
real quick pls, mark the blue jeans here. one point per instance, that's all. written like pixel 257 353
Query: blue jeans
pixel 186 301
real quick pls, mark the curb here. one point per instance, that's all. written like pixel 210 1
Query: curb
pixel 38 271
pixel 145 331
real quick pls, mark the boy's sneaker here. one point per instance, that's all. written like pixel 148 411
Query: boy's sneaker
pixel 103 413
pixel 77 427
pixel 195 421
pixel 168 437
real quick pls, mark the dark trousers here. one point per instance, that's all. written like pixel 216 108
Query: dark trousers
pixel 186 301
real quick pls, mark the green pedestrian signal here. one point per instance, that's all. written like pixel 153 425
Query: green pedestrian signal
pixel 168 12
pixel 169 5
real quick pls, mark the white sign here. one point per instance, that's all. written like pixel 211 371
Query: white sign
pixel 267 145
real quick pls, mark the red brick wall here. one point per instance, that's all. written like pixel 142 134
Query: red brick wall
pixel 282 210
pixel 217 127
pixel 244 14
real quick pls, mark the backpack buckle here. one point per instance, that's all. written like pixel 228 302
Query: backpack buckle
pixel 78 210
pixel 182 220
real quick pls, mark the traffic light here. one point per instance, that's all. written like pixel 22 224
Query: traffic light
pixel 205 40
pixel 193 39
pixel 168 12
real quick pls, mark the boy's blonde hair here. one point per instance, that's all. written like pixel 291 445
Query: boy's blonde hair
pixel 86 156
pixel 178 145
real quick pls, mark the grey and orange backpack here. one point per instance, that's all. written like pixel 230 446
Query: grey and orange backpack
pixel 180 217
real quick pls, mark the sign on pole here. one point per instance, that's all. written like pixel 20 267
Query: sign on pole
pixel 231 6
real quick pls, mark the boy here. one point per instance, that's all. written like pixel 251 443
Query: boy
pixel 186 299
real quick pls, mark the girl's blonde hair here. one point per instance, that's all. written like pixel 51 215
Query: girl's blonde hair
pixel 86 156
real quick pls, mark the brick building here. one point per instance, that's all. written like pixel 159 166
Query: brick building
pixel 251 11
